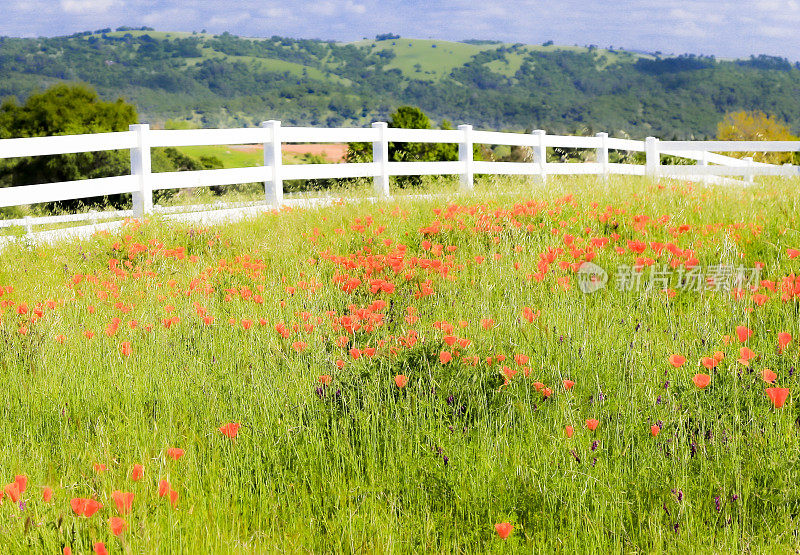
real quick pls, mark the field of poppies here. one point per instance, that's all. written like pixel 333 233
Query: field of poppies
pixel 585 366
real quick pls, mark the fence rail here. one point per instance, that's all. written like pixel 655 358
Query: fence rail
pixel 140 139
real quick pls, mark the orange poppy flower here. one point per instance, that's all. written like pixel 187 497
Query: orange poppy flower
pixel 654 429
pixel 125 348
pixel 99 467
pixel 701 380
pixel 137 473
pixel 175 453
pixel 592 423
pixel 538 385
pixel 117 525
pixel 325 379
pixel 569 430
pixel 777 395
pixel 745 355
pixel 547 392
pixel 123 500
pixel 568 384
pixel 47 494
pixel 677 360
pixel 12 490
pixel 768 375
pixel 445 357
pixel 67 550
pixel 743 333
pixel 783 340
pixel 230 430
pixel 173 498
pixel 400 381
pixel 22 482
pixel 710 362
pixel 504 529
pixel 100 548
pixel 719 356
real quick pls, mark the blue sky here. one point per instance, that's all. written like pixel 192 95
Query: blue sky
pixel 723 28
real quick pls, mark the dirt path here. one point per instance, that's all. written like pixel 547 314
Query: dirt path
pixel 334 152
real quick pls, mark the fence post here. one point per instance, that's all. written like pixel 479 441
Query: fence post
pixel 540 154
pixel 653 162
pixel 704 164
pixel 28 226
pixel 602 155
pixel 749 171
pixel 465 157
pixel 380 157
pixel 141 168
pixel 273 159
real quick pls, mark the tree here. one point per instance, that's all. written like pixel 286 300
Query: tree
pixel 73 110
pixel 65 110
pixel 408 117
pixel 756 126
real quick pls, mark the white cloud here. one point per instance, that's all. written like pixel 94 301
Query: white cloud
pixel 86 6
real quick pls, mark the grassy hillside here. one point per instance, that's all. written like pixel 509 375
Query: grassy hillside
pixel 224 80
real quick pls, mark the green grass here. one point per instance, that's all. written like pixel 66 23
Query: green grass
pixel 359 465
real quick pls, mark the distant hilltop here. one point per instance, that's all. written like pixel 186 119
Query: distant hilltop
pixel 226 80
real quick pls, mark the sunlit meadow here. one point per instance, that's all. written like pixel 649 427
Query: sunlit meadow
pixel 409 375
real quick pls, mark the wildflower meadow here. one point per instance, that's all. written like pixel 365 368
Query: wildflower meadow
pixel 572 366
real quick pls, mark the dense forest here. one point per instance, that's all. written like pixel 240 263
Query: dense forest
pixel 224 80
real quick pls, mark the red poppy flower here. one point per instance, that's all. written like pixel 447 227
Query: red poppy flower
pixel 47 494
pixel 22 482
pixel 173 498
pixel 710 362
pixel 91 507
pixel 12 490
pixel 163 488
pixel 677 360
pixel 325 379
pixel 654 429
pixel 768 375
pixel 745 355
pixel 504 529
pixel 175 453
pixel 78 505
pixel 126 349
pixel 230 430
pixel 137 472
pixel 777 395
pixel 743 333
pixel 592 423
pixel 100 548
pixel 400 380
pixel 783 340
pixel 701 380
pixel 123 500
pixel 569 430
pixel 117 525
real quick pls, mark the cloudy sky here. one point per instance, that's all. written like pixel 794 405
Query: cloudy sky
pixel 724 28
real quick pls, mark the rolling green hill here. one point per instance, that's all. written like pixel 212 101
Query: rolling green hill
pixel 224 80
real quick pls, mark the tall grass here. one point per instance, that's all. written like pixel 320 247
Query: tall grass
pixel 360 465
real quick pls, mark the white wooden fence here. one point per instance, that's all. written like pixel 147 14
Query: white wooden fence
pixel 142 182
